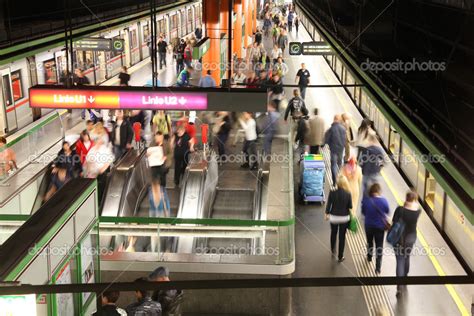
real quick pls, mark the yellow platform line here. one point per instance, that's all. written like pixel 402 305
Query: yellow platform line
pixel 451 290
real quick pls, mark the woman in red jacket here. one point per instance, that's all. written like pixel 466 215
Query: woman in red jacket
pixel 83 145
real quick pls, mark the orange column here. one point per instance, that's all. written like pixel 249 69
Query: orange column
pixel 224 25
pixel 211 59
pixel 237 31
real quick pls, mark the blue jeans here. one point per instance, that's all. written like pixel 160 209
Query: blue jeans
pixel 221 140
pixel 336 163
pixel 368 180
pixel 267 143
pixel 402 255
pixel 118 152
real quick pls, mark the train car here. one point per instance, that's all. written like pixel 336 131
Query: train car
pixel 48 67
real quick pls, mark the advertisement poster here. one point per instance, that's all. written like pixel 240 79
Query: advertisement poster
pixel 87 265
pixel 64 301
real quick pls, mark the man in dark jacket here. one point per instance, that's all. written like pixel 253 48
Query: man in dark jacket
pixel 335 138
pixel 167 298
pixel 371 161
pixel 162 47
pixel 144 306
pixel 121 135
pixel 109 308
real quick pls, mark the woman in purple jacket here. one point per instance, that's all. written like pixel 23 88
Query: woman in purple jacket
pixel 375 209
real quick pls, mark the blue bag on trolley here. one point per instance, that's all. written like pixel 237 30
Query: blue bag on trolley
pixel 313 182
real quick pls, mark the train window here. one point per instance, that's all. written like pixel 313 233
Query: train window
pixel 459 229
pixel 430 190
pixel 421 178
pixel 394 146
pixel 409 163
pixel 16 85
pixel 146 33
pixel 162 26
pixel 50 74
pixel 7 95
pixel 133 38
pixel 190 21
pixel 174 21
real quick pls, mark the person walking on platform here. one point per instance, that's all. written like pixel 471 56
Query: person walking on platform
pixel 302 79
pixel 371 162
pixel 124 77
pixel 315 138
pixel 353 173
pixel 162 123
pixel 283 41
pixel 375 210
pixel 162 49
pixel 276 52
pixel 159 158
pixel 290 21
pixel 346 121
pixel 276 90
pixel 188 55
pixel 179 56
pixel 338 211
pixel 275 33
pixel 121 135
pixel 250 144
pixel 296 109
pixel 183 146
pixel 408 214
pixel 296 21
pixel 335 138
pixel 270 128
pixel 207 81
pixel 365 129
pixel 184 77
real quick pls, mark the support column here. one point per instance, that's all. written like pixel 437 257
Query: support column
pixel 211 59
pixel 237 31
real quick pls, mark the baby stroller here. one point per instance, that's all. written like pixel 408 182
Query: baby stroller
pixel 312 179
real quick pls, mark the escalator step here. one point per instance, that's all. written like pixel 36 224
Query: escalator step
pixel 233 204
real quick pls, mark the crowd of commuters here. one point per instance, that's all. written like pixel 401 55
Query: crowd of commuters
pixel 149 303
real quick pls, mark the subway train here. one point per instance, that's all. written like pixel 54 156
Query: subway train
pixel 46 67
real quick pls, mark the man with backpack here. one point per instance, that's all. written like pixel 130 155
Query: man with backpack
pixel 179 55
pixel 297 109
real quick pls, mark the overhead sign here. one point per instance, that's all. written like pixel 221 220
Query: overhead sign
pixel 116 99
pixel 201 47
pixel 99 44
pixel 295 48
pixel 310 48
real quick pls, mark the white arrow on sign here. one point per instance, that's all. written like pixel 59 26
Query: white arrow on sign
pixel 182 101
pixel 91 99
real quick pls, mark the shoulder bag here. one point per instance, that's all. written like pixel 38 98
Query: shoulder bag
pixel 386 223
pixel 395 233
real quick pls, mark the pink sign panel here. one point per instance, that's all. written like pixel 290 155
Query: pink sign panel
pixel 116 99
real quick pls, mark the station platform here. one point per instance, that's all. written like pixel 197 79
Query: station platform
pixel 313 255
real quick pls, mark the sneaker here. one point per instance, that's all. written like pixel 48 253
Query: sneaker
pixel 377 270
pixel 245 165
pixel 342 259
pixel 369 258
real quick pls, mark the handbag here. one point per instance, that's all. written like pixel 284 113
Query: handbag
pixel 386 223
pixel 395 233
pixel 353 225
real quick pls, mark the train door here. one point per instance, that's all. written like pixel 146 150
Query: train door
pixel 33 74
pixel 146 39
pixel 10 118
pixel 128 49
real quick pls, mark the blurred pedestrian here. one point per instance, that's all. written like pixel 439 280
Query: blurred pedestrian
pixel 124 76
pixel 303 79
pixel 353 173
pixel 183 146
pixel 346 121
pixel 159 158
pixel 270 128
pixel 335 138
pixel 207 81
pixel 317 127
pixel 371 162
pixel 375 210
pixel 247 122
pixel 338 211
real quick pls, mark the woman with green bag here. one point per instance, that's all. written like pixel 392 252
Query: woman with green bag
pixel 338 212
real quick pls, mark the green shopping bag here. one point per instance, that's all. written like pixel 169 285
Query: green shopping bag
pixel 353 226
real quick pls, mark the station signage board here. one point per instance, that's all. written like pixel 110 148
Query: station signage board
pixel 310 48
pixel 117 99
pixel 99 44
